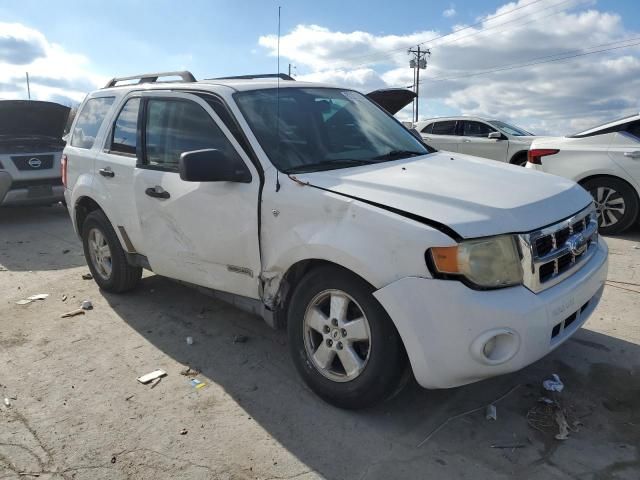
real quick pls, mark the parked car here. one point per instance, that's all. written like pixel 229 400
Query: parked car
pixel 605 160
pixel 476 136
pixel 315 208
pixel 30 149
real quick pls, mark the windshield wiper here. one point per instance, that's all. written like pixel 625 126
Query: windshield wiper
pixel 327 165
pixel 395 154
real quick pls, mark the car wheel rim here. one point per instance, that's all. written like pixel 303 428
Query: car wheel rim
pixel 610 205
pixel 100 253
pixel 337 336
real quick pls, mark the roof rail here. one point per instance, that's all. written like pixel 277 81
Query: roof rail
pixel 281 76
pixel 186 76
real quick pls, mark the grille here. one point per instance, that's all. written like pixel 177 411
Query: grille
pixel 553 253
pixel 33 162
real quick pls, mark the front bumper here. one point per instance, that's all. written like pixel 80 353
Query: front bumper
pixel 444 324
pixel 30 192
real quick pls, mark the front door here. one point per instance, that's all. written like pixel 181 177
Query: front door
pixel 625 151
pixel 474 141
pixel 204 233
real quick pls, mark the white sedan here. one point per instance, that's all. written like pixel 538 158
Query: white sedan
pixel 605 160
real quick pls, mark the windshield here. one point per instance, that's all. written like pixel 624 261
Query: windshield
pixel 324 128
pixel 511 129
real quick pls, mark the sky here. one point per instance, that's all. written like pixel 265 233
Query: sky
pixel 488 58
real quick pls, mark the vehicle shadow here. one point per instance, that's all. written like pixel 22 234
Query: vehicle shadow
pixel 22 230
pixel 600 396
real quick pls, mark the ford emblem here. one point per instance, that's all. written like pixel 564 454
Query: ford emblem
pixel 34 162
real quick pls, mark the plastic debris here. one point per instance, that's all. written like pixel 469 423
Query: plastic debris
pixel 7 402
pixel 152 376
pixel 563 426
pixel 155 383
pixel 72 313
pixel 240 339
pixel 87 305
pixel 189 340
pixel 39 296
pixel 23 302
pixel 197 384
pixel 554 385
pixel 87 276
pixel 491 413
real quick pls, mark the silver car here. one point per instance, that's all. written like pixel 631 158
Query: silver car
pixel 30 150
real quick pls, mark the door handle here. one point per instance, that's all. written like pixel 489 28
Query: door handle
pixel 107 172
pixel 635 154
pixel 466 140
pixel 157 192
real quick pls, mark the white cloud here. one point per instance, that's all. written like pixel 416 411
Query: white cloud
pixel 557 97
pixel 55 74
pixel 449 12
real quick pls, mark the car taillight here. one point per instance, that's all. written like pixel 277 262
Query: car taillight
pixel 534 156
pixel 63 170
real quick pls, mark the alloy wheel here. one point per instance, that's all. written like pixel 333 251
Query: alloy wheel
pixel 337 336
pixel 100 253
pixel 610 205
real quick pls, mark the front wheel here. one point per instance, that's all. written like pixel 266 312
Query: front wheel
pixel 616 204
pixel 343 343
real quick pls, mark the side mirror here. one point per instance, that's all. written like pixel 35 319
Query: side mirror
pixel 211 165
pixel 495 136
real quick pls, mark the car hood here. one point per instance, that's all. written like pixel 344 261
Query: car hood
pixel 20 118
pixel 474 197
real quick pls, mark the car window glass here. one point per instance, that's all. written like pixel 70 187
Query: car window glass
pixel 445 128
pixel 634 129
pixel 125 131
pixel 476 129
pixel 89 121
pixel 176 126
pixel 427 129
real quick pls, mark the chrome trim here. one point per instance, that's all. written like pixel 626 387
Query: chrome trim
pixel 532 263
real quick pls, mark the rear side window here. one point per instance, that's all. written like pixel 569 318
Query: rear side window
pixel 124 138
pixel 89 121
pixel 177 126
pixel 634 129
pixel 447 127
pixel 427 129
pixel 476 129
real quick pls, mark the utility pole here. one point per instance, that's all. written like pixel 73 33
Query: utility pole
pixel 28 87
pixel 418 62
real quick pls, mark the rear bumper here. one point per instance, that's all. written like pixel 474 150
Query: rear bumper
pixel 30 192
pixel 445 325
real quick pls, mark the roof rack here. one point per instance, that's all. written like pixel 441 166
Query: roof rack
pixel 186 76
pixel 281 76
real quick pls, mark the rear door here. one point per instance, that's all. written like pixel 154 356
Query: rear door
pixel 204 233
pixel 625 150
pixel 443 136
pixel 474 141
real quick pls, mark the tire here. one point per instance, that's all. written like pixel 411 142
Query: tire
pixel 616 202
pixel 378 372
pixel 109 265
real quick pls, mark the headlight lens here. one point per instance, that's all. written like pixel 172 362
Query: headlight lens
pixel 491 262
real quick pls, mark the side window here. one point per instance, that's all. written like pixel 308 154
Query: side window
pixel 634 129
pixel 476 129
pixel 427 129
pixel 124 138
pixel 448 127
pixel 89 121
pixel 177 126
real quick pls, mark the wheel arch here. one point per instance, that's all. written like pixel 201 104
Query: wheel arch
pixel 82 208
pixel 584 180
pixel 516 156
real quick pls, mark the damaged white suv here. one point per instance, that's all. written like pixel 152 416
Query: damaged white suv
pixel 315 208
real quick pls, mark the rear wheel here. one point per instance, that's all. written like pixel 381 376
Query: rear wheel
pixel 343 343
pixel 105 256
pixel 616 204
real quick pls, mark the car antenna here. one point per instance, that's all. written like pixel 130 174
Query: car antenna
pixel 278 104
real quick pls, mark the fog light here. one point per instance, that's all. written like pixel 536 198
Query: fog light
pixel 496 346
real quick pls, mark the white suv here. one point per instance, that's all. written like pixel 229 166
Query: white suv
pixel 315 208
pixel 476 136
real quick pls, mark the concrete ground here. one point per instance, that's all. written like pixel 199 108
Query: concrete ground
pixel 77 411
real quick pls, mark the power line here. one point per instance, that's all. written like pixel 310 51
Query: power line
pixel 387 53
pixel 532 62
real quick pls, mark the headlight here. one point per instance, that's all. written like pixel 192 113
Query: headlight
pixel 491 262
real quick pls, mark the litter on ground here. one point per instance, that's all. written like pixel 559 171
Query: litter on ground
pixel 144 379
pixel 554 385
pixel 72 313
